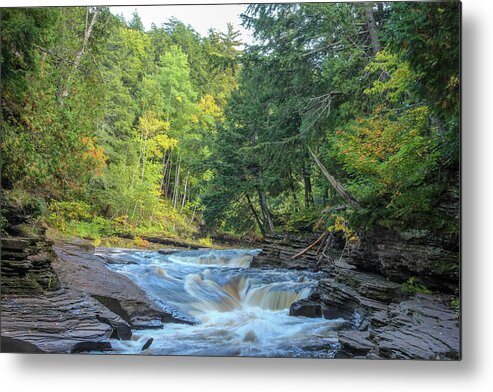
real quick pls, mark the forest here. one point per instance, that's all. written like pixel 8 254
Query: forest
pixel 341 116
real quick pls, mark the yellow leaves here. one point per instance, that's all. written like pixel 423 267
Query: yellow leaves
pixel 209 107
pixel 393 76
pixel 153 132
pixel 151 124
pixel 165 142
pixel 207 175
pixel 179 98
pixel 160 143
pixel 341 226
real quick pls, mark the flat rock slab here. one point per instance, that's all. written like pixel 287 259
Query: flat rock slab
pixel 56 322
pixel 92 305
pixel 423 327
pixel 419 328
pixel 86 272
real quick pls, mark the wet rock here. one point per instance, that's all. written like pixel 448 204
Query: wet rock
pixel 168 251
pixel 56 321
pixel 354 344
pixel 121 330
pixel 84 271
pixel 83 347
pixel 147 344
pixel 423 327
pixel 433 260
pixel 372 286
pixel 278 250
pixel 11 345
pixel 251 336
pixel 305 308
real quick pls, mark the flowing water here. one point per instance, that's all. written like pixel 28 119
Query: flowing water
pixel 236 310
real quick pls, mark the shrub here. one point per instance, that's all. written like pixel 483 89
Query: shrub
pixel 71 210
pixel 411 287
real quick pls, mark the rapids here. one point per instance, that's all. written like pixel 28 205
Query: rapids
pixel 236 310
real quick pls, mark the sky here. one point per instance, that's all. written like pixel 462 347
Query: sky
pixel 200 17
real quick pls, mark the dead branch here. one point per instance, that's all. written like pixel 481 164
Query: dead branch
pixel 338 187
pixel 304 251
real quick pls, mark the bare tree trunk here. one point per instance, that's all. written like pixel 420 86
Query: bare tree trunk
pixel 78 58
pixel 184 195
pixel 265 210
pixel 164 162
pixel 308 187
pixel 336 185
pixel 177 184
pixel 304 251
pixel 372 28
pixel 193 214
pixel 255 215
pixel 168 176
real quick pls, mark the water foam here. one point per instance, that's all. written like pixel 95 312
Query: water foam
pixel 240 311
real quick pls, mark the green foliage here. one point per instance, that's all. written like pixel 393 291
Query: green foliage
pixel 71 210
pixel 411 287
pixel 455 303
pixel 303 220
pixel 162 131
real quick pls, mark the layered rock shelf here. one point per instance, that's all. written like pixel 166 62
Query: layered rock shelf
pixel 64 298
pixel 26 266
pixel 385 321
pixel 85 305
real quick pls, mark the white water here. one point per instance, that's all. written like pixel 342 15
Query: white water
pixel 238 310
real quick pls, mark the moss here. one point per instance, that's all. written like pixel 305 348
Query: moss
pixel 412 287
pixel 455 303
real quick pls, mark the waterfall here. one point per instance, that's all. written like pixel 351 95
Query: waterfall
pixel 243 292
pixel 238 310
pixel 230 258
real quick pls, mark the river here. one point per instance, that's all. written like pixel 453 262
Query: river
pixel 236 310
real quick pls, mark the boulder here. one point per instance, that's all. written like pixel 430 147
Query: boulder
pixel 12 345
pixel 305 308
pixel 83 347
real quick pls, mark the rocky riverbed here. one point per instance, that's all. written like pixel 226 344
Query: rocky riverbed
pixel 63 298
pixel 386 322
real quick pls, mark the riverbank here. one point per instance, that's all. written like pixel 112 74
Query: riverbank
pixel 389 319
pixel 81 305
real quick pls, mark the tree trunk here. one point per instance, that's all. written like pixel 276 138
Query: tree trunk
pixel 325 196
pixel 255 215
pixel 372 28
pixel 265 210
pixel 293 192
pixel 308 187
pixel 193 214
pixel 78 58
pixel 177 184
pixel 336 185
pixel 168 175
pixel 184 195
pixel 166 158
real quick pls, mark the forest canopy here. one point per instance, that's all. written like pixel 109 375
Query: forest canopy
pixel 338 111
